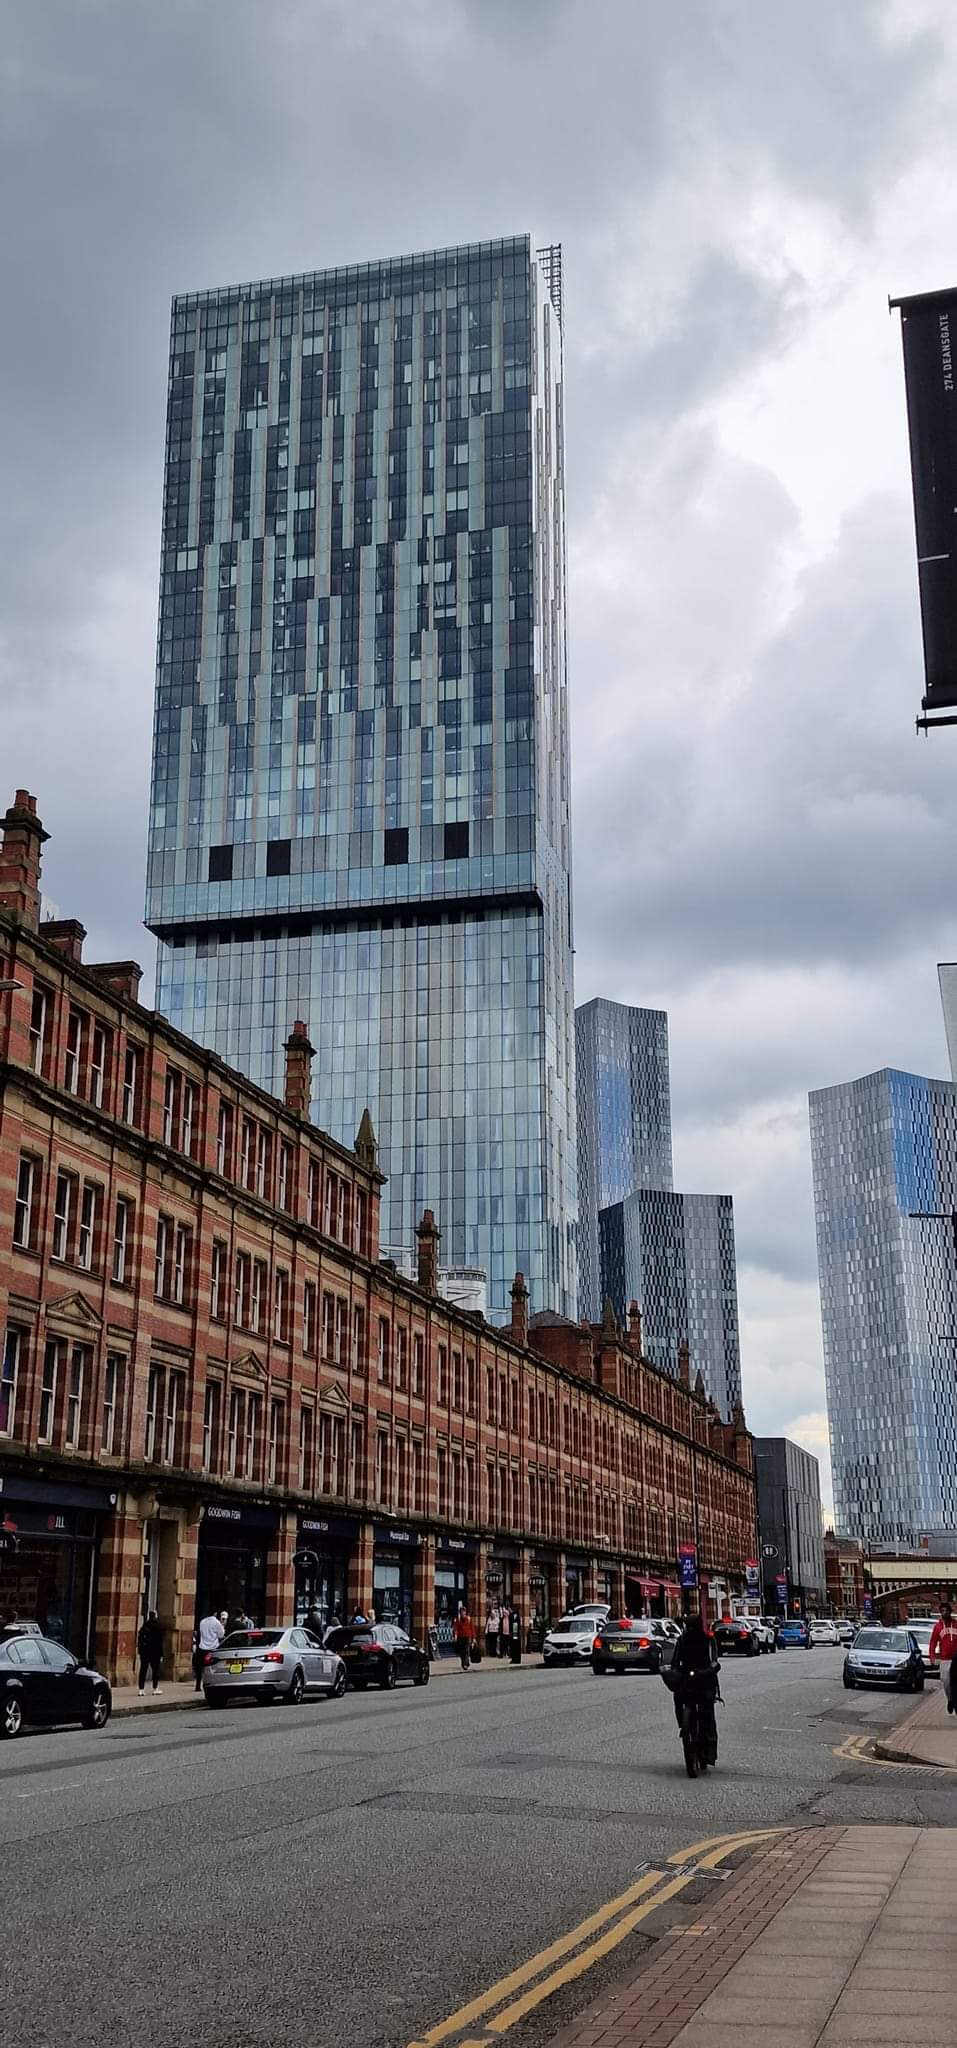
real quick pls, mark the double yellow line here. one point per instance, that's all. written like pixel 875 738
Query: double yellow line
pixel 572 1954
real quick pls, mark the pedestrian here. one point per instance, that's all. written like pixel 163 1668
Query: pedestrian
pixel 360 1617
pixel 504 1628
pixel 491 1631
pixel 149 1644
pixel 943 1644
pixel 515 1636
pixel 314 1622
pixel 463 1630
pixel 208 1637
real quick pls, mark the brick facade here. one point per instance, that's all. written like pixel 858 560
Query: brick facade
pixel 215 1391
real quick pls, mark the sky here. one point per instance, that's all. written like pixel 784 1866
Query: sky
pixel 759 836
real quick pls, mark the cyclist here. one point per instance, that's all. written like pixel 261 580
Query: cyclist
pixel 695 1665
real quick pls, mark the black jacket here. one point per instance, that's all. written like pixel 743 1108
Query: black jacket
pixel 697 1653
pixel 149 1642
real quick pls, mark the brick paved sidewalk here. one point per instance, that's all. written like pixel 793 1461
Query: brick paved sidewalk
pixel 828 1938
pixel 928 1735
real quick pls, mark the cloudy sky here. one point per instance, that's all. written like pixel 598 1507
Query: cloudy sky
pixel 738 185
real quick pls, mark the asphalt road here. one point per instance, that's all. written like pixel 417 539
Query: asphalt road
pixel 351 1871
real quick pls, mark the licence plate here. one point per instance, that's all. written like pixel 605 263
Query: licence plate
pixel 351 1653
pixel 234 1668
pixel 619 1649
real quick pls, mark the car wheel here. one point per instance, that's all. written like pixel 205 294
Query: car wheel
pixel 296 1690
pixel 340 1684
pixel 424 1673
pixel 100 1711
pixel 11 1720
pixel 849 1682
pixel 752 1649
pixel 215 1699
pixel 387 1681
pixel 599 1670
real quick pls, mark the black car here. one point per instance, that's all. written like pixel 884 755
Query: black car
pixel 731 1636
pixel 629 1646
pixel 40 1682
pixel 377 1653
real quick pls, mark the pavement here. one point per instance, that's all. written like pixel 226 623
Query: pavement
pixel 494 1854
pixel 830 1938
pixel 926 1736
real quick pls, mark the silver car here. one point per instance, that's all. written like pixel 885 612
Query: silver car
pixel 885 1656
pixel 570 1641
pixel 268 1664
pixel 923 1630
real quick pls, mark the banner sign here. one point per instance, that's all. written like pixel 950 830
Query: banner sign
pixel 687 1567
pixel 929 335
pixel 752 1577
pixel 782 1585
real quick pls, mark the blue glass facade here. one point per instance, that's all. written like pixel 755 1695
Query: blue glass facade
pixel 359 808
pixel 882 1147
pixel 674 1254
pixel 624 1120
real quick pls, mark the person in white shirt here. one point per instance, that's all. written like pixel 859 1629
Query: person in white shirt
pixel 209 1635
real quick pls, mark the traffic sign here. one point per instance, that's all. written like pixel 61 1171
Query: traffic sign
pixel 769 1550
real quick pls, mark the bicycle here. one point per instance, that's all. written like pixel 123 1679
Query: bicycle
pixel 696 1719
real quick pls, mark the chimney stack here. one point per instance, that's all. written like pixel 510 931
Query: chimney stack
pixel 429 1238
pixel 67 935
pixel 684 1364
pixel 23 836
pixel 297 1093
pixel 634 1327
pixel 519 1323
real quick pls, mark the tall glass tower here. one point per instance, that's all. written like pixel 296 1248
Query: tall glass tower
pixel 624 1120
pixel 882 1148
pixel 674 1255
pixel 360 803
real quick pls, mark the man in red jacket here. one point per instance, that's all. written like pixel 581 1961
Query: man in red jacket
pixel 943 1644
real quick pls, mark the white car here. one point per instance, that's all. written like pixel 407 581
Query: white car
pixel 569 1641
pixel 923 1630
pixel 765 1634
pixel 824 1635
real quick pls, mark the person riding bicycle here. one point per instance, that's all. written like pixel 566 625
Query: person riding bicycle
pixel 695 1666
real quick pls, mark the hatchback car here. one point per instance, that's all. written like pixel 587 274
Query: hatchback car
pixel 885 1656
pixel 569 1642
pixel 268 1664
pixel 824 1635
pixel 765 1632
pixel 378 1653
pixel 630 1646
pixel 846 1630
pixel 793 1634
pixel 41 1682
pixel 922 1631
pixel 736 1637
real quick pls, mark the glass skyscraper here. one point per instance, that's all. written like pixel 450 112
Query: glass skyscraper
pixel 360 803
pixel 674 1254
pixel 881 1148
pixel 624 1120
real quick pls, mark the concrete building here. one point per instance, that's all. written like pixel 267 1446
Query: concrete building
pixel 207 1368
pixel 789 1518
pixel 360 799
pixel 884 1154
pixel 624 1122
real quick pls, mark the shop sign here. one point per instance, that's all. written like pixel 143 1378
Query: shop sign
pixel 344 1528
pixel 536 1578
pixel 408 1538
pixel 305 1560
pixel 92 1498
pixel 687 1567
pixel 461 1546
pixel 240 1517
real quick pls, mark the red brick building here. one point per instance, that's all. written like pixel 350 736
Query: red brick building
pixel 844 1573
pixel 213 1393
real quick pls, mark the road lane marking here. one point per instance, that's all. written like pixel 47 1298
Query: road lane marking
pixel 653 1889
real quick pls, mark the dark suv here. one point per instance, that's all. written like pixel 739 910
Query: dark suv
pixel 378 1653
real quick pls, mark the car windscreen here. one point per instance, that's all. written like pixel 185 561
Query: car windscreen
pixel 252 1638
pixel 882 1639
pixel 356 1633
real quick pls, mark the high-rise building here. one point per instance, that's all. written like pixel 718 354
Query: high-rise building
pixel 947 979
pixel 624 1120
pixel 360 805
pixel 792 1531
pixel 882 1148
pixel 674 1255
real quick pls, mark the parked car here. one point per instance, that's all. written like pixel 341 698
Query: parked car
pixel 569 1642
pixel 766 1635
pixel 672 1629
pixel 793 1634
pixel 885 1656
pixel 378 1653
pixel 823 1635
pixel 599 1609
pixel 630 1646
pixel 846 1630
pixel 736 1637
pixel 923 1630
pixel 19 1628
pixel 269 1664
pixel 41 1682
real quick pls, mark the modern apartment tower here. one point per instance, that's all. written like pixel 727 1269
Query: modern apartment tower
pixel 674 1254
pixel 624 1120
pixel 360 803
pixel 882 1149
